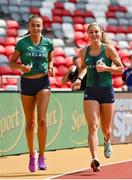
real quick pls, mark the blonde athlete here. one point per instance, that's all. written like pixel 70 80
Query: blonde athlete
pixel 97 60
pixel 35 52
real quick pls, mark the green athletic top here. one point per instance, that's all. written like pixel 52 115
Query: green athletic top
pixel 94 78
pixel 34 55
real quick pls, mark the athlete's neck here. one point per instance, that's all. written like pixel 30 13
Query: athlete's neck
pixel 95 45
pixel 35 39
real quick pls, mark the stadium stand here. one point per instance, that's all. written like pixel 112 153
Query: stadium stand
pixel 65 22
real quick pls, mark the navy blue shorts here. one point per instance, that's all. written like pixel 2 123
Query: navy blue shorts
pixel 100 94
pixel 31 87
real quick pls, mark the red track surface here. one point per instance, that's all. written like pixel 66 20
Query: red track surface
pixel 121 170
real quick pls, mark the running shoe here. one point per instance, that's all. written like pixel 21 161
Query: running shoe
pixel 107 149
pixel 41 164
pixel 95 165
pixel 33 162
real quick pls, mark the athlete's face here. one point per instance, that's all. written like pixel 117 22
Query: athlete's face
pixel 35 26
pixel 94 33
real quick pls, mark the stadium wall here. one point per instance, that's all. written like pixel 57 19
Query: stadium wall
pixel 65 120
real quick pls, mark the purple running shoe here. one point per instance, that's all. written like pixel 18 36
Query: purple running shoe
pixel 33 162
pixel 41 163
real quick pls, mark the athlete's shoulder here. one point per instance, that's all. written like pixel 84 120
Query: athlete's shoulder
pixel 22 40
pixel 109 46
pixel 83 51
pixel 47 40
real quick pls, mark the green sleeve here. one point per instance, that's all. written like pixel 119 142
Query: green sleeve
pixel 18 46
pixel 50 46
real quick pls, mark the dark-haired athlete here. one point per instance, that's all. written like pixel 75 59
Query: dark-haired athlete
pixel 35 52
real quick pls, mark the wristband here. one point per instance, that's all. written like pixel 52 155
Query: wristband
pixel 79 78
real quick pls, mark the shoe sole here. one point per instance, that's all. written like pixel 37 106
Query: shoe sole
pixel 95 166
pixel 40 168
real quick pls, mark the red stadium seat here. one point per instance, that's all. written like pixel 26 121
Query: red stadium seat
pixel 56 12
pixel 78 20
pixel 58 51
pixel 62 70
pixel 2 41
pixel 59 5
pixel 110 14
pixel 2 50
pixel 78 35
pixel 10 41
pixel 72 1
pixel 129 29
pixel 66 12
pixel 12 32
pixel 34 10
pixel 78 27
pixel 78 12
pixel 126 61
pixel 85 27
pixel 59 81
pixel 46 22
pixel 117 82
pixel 57 19
pixel 115 8
pixel 122 53
pixel 112 29
pixel 89 14
pixel 52 80
pixel 12 24
pixel 59 60
pixel 69 61
pixel 12 81
pixel 121 29
pixel 5 69
pixel 9 50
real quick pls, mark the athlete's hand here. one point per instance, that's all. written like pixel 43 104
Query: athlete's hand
pixel 101 68
pixel 25 68
pixel 51 71
pixel 76 85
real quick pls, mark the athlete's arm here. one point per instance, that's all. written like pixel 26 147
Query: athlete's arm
pixel 65 77
pixel 82 70
pixel 113 55
pixel 13 61
pixel 50 63
pixel 14 65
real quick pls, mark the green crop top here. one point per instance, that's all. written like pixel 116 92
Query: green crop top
pixel 34 55
pixel 94 78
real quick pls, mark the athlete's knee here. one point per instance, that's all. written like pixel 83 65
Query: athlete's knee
pixel 93 128
pixel 42 122
pixel 106 132
pixel 30 125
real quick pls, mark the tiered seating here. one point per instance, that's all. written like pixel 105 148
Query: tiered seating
pixel 66 23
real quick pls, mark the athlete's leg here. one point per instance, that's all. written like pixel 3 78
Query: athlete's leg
pixel 28 103
pixel 42 99
pixel 106 111
pixel 92 113
pixel 106 119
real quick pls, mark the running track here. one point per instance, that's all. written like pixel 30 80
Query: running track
pixel 121 170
